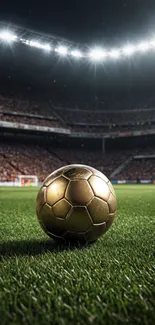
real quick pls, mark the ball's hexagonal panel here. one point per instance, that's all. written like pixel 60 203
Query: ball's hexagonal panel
pixel 73 236
pixel 61 209
pixel 110 221
pixel 112 203
pixel 56 190
pixel 79 192
pixel 78 172
pixel 111 188
pixel 98 210
pixel 99 187
pixel 41 199
pixel 78 220
pixel 95 231
pixel 50 223
pixel 50 178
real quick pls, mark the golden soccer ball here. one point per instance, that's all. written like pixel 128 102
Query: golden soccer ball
pixel 76 203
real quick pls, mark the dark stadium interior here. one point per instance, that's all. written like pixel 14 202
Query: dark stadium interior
pixel 77 86
pixel 48 96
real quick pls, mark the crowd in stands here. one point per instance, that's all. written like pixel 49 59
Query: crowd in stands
pixel 106 163
pixel 75 118
pixel 138 169
pixel 81 117
pixel 18 159
pixel 29 120
pixel 24 106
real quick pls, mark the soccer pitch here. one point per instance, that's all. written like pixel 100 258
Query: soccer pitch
pixel 110 282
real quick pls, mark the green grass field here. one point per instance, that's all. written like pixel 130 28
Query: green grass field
pixel 110 282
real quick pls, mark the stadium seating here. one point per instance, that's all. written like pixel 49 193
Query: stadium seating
pixel 29 120
pixel 14 157
pixel 34 160
pixel 19 159
pixel 138 169
pixel 84 119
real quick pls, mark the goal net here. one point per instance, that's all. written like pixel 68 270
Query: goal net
pixel 26 180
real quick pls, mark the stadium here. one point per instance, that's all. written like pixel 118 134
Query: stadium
pixel 61 103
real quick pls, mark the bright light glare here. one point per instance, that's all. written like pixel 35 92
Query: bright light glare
pixel 76 54
pixel 38 45
pixel 129 50
pixel 62 50
pixel 115 54
pixel 143 47
pixel 152 43
pixel 97 54
pixel 8 36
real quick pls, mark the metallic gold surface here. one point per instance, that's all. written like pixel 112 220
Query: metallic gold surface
pixel 95 231
pixel 99 210
pixel 76 203
pixel 110 221
pixel 50 178
pixel 41 199
pixel 56 190
pixel 111 189
pixel 61 208
pixel 52 224
pixel 77 173
pixel 73 236
pixel 99 187
pixel 101 175
pixel 79 192
pixel 78 220
pixel 112 203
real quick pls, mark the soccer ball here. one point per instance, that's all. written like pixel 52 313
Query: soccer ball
pixel 76 203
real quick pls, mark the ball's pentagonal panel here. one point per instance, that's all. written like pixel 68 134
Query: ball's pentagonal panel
pixel 99 187
pixel 112 203
pixel 41 199
pixel 110 221
pixel 56 190
pixel 78 172
pixel 53 176
pixel 50 223
pixel 111 189
pixel 98 210
pixel 79 192
pixel 73 236
pixel 78 219
pixel 95 231
pixel 61 208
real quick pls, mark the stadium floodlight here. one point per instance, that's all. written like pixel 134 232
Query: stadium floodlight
pixel 152 43
pixel 97 54
pixel 38 45
pixel 62 50
pixel 76 54
pixel 8 36
pixel 143 46
pixel 114 54
pixel 129 50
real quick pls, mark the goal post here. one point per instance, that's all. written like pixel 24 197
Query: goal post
pixel 26 180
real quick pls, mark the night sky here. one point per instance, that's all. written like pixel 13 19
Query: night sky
pixel 104 21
